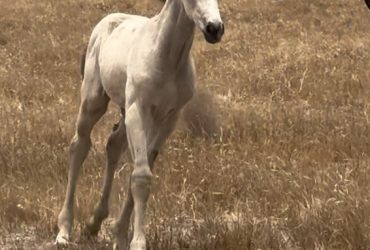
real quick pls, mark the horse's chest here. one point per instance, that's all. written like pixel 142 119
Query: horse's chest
pixel 165 100
pixel 168 88
pixel 172 94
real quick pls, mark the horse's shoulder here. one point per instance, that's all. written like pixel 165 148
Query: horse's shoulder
pixel 112 21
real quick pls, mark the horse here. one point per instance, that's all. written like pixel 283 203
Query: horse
pixel 144 66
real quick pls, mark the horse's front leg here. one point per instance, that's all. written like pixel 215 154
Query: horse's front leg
pixel 138 127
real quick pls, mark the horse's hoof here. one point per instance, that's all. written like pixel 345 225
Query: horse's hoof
pixel 120 245
pixel 138 245
pixel 62 240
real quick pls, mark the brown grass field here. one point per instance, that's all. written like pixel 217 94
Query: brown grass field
pixel 272 153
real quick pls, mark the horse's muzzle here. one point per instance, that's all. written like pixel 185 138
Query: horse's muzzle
pixel 214 31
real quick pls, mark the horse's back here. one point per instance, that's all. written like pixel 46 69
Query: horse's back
pixel 106 27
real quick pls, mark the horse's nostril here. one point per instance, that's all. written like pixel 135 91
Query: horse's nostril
pixel 210 28
pixel 214 29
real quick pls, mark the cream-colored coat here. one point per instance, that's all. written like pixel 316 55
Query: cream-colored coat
pixel 144 66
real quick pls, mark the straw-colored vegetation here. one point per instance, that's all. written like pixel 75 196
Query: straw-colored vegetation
pixel 273 153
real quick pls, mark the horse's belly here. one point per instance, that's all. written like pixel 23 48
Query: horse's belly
pixel 114 84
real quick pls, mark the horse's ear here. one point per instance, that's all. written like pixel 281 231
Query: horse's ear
pixel 367 3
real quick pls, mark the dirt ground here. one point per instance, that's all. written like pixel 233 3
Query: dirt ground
pixel 272 153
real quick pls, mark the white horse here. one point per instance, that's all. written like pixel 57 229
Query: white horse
pixel 144 66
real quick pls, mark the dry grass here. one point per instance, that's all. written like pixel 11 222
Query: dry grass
pixel 273 153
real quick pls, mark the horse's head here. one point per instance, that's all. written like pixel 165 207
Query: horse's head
pixel 206 15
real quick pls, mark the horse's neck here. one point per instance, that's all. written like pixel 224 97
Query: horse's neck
pixel 175 33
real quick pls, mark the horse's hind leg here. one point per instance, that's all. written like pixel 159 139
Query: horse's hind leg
pixel 117 144
pixel 93 105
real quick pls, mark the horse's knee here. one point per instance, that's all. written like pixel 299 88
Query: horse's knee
pixel 95 105
pixel 88 116
pixel 141 181
pixel 79 141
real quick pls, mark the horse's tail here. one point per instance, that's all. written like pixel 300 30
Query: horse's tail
pixel 82 65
